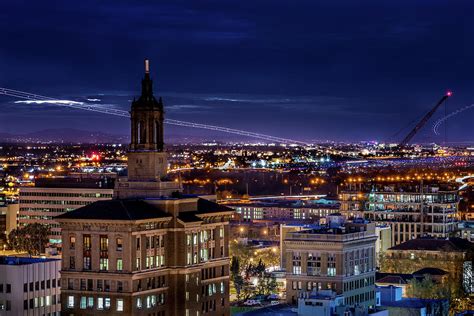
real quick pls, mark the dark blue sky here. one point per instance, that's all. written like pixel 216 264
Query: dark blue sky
pixel 342 70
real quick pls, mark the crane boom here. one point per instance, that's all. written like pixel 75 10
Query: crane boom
pixel 423 121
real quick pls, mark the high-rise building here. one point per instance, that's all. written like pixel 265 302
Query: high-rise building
pixel 29 286
pixel 337 256
pixel 51 197
pixel 151 250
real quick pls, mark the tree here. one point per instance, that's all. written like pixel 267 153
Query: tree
pixel 234 267
pixel 31 238
pixel 238 284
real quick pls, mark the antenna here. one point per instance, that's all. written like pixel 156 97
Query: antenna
pixel 147 66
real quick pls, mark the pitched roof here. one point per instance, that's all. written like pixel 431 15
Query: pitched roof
pixel 116 210
pixel 205 206
pixel 189 217
pixel 393 278
pixel 430 271
pixel 435 244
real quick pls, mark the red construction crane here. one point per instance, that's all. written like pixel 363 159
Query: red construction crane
pixel 425 119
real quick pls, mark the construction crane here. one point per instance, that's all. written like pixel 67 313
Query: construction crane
pixel 425 119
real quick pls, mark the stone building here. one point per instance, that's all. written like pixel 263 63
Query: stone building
pixel 151 250
pixel 337 257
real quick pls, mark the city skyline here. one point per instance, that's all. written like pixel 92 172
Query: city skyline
pixel 302 76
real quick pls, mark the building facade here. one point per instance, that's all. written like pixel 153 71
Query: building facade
pixel 151 250
pixel 340 258
pixel 29 286
pixel 412 209
pixel 53 197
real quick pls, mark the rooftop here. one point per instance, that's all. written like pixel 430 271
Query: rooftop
pixel 116 210
pixel 18 261
pixel 414 302
pixel 134 209
pixel 75 182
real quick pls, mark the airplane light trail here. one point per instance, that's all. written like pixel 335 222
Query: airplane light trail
pixel 39 99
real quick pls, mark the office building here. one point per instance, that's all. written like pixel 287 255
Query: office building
pixel 29 286
pixel 337 256
pixel 51 197
pixel 151 250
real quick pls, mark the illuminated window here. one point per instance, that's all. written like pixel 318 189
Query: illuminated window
pixel 72 242
pixel 104 264
pixel 100 303
pixel 107 303
pixel 70 301
pixel 119 305
pixel 119 244
pixel 83 303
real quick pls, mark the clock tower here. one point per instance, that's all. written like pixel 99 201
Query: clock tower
pixel 147 160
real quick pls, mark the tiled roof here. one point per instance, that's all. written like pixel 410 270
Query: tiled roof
pixel 205 206
pixel 116 210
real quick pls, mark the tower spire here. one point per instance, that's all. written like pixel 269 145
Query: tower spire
pixel 147 66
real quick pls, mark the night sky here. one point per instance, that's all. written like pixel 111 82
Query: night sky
pixel 339 70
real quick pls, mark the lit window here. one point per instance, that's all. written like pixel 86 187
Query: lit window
pixel 119 244
pixel 104 264
pixel 72 242
pixel 100 303
pixel 119 305
pixel 70 301
pixel 90 302
pixel 83 303
pixel 107 303
pixel 139 302
pixel 119 264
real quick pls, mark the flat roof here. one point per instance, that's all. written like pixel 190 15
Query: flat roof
pixel 19 261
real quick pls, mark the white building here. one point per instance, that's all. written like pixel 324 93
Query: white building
pixel 29 286
pixel 328 303
pixel 53 197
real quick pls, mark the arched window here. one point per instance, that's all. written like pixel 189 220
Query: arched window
pixel 157 132
pixel 142 129
pixel 137 132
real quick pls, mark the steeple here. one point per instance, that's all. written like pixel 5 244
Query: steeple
pixel 147 117
pixel 147 159
pixel 147 99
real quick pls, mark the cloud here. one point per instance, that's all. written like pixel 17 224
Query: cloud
pixel 60 102
pixel 181 107
pixel 93 100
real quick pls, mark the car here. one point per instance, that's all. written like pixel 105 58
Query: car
pixel 273 297
pixel 251 303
